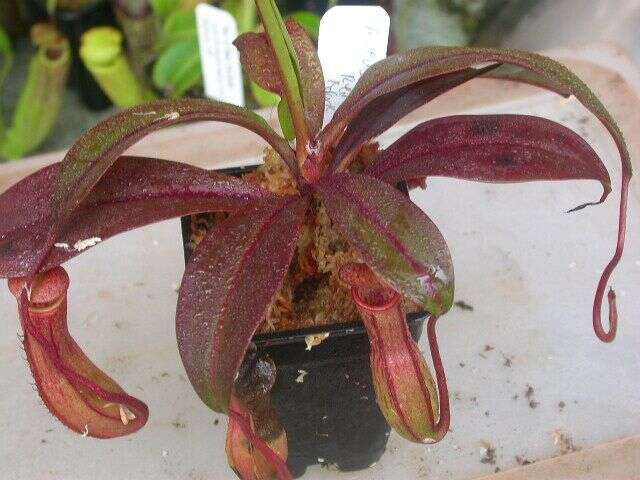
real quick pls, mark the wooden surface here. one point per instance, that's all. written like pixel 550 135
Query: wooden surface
pixel 619 460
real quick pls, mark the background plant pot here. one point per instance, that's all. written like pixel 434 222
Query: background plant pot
pixel 73 23
pixel 324 396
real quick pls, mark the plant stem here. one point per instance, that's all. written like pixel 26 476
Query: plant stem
pixel 288 66
pixel 139 26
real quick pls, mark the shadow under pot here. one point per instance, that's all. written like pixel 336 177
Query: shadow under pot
pixel 324 397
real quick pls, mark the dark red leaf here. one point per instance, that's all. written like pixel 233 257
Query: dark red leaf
pixel 407 68
pixel 136 191
pixel 227 287
pixel 393 236
pixel 386 110
pixel 95 151
pixel 491 148
pixel 259 62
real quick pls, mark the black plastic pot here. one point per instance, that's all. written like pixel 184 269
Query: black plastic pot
pixel 324 396
pixel 73 23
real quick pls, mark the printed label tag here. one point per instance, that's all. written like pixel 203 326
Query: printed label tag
pixel 220 60
pixel 352 38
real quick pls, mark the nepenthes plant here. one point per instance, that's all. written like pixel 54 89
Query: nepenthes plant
pixel 96 192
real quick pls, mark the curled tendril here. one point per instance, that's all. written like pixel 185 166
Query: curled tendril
pixel 609 335
pixel 442 427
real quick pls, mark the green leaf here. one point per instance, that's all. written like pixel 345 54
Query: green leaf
pixel 263 97
pixel 287 63
pixel 286 123
pixel 163 8
pixel 180 26
pixel 178 69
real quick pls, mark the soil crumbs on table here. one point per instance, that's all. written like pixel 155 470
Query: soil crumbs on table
pixel 488 453
pixel 564 442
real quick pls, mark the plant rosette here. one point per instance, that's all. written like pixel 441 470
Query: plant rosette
pixel 236 270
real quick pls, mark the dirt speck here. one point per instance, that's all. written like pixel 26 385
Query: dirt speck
pixel 488 453
pixel 178 424
pixel 43 440
pixel 487 413
pixel 564 442
pixel 515 397
pixel 462 305
pixel 522 460
pixel 528 393
pixel 488 348
pixel 461 364
pixel 561 405
pixel 216 421
pixel 164 374
pixel 533 404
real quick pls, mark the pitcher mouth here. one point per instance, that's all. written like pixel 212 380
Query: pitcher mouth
pixel 45 307
pixel 392 302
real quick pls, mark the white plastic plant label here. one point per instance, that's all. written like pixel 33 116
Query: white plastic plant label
pixel 352 38
pixel 220 60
